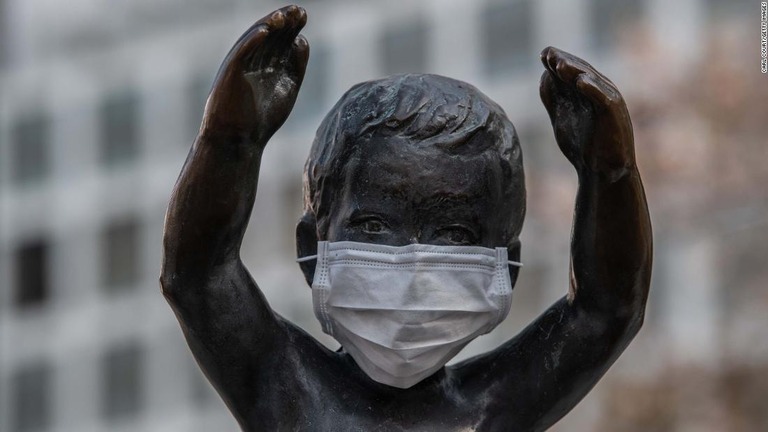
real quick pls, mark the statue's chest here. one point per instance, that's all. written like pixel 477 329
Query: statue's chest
pixel 351 409
pixel 333 397
pixel 356 418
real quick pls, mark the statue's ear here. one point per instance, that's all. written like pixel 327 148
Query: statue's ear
pixel 513 253
pixel 306 244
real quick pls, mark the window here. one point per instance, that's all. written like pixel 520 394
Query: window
pixel 404 48
pixel 122 389
pixel 508 37
pixel 718 8
pixel 608 16
pixel 197 96
pixel 31 262
pixel 29 138
pixel 120 245
pixel 119 128
pixel 743 271
pixel 31 390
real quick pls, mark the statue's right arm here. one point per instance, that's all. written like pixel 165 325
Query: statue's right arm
pixel 227 321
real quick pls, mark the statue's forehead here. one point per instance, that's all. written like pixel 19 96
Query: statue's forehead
pixel 415 172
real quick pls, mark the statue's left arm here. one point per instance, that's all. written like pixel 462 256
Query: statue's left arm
pixel 537 377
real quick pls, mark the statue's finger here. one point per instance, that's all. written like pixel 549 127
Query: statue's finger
pixel 587 86
pixel 243 49
pixel 287 24
pixel 569 68
pixel 544 57
pixel 602 95
pixel 547 92
pixel 548 58
pixel 299 58
pixel 297 16
pixel 251 47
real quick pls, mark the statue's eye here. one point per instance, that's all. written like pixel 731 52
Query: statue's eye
pixel 373 226
pixel 457 235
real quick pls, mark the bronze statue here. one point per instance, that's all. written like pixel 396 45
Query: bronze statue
pixel 415 160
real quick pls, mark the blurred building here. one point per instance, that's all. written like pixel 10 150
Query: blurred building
pixel 100 101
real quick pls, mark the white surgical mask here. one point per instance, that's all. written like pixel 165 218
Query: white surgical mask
pixel 403 312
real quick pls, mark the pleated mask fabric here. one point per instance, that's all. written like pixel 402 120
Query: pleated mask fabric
pixel 402 312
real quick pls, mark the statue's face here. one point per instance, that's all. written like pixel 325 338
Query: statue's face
pixel 396 193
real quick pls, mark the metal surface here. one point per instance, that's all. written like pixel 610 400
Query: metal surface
pixel 395 188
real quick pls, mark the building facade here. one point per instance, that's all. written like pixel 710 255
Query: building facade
pixel 99 104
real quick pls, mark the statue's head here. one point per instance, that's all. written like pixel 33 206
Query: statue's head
pixel 414 159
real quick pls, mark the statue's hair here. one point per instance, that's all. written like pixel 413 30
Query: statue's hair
pixel 428 110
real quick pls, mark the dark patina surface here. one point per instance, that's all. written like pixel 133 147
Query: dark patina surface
pixel 274 376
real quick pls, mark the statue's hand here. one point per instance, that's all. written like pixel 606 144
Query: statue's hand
pixel 258 82
pixel 588 114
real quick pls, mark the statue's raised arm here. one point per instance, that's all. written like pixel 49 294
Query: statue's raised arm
pixel 538 376
pixel 229 325
pixel 414 200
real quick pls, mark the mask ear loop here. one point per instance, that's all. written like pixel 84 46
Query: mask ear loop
pixel 515 263
pixel 310 258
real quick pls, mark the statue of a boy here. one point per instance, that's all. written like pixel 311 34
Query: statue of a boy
pixel 414 201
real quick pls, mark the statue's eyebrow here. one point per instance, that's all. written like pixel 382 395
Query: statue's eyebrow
pixel 362 212
pixel 449 198
pixel 458 208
